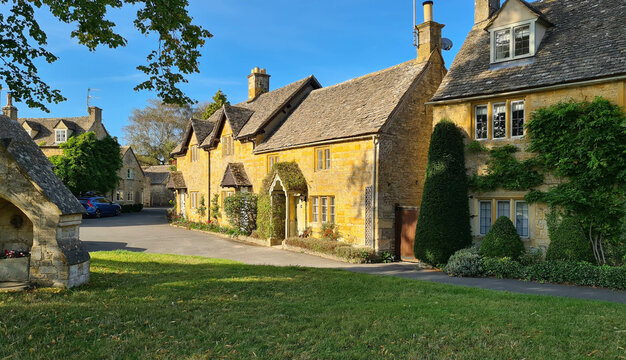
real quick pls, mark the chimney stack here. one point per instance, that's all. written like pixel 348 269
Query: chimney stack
pixel 258 83
pixel 95 114
pixel 9 110
pixel 428 33
pixel 483 9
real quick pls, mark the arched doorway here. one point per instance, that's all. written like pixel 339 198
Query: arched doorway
pixel 16 235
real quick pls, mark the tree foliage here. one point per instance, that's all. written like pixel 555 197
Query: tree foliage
pixel 584 144
pixel 443 226
pixel 155 130
pixel 219 100
pixel 23 44
pixel 88 164
pixel 506 172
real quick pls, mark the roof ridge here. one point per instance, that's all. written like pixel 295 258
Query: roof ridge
pixel 275 90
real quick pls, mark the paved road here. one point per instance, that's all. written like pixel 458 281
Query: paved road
pixel 148 231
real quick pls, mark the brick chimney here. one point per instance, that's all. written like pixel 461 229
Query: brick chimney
pixel 9 110
pixel 483 9
pixel 95 114
pixel 429 34
pixel 258 83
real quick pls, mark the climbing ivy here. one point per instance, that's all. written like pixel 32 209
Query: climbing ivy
pixel 506 172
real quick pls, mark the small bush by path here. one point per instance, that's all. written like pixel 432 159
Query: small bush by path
pixel 338 249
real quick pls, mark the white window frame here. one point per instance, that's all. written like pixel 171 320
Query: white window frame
pixel 523 102
pixel 528 207
pixel 315 209
pixel 58 132
pixel 486 106
pixel 531 41
pixel 131 196
pixel 493 118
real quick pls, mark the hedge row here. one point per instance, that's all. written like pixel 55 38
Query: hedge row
pixel 335 248
pixel 132 208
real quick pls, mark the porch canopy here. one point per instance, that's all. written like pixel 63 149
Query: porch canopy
pixel 177 181
pixel 286 180
pixel 235 176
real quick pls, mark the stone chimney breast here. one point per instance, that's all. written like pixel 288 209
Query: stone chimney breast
pixel 483 9
pixel 95 114
pixel 429 34
pixel 9 110
pixel 258 83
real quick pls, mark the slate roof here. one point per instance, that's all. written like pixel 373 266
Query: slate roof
pixel 237 117
pixel 28 155
pixel 235 176
pixel 267 105
pixel 176 181
pixel 356 107
pixel 46 126
pixel 159 174
pixel 201 129
pixel 587 42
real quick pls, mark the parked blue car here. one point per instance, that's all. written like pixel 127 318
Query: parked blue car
pixel 98 206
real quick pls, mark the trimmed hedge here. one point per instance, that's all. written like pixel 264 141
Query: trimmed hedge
pixel 339 249
pixel 464 263
pixel 132 208
pixel 569 243
pixel 502 240
pixel 443 226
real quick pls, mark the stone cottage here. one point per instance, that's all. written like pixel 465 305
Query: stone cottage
pixel 38 213
pixel 134 186
pixel 159 176
pixel 361 146
pixel 517 58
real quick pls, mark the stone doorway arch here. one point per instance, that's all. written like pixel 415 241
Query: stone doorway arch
pixel 288 193
pixel 16 235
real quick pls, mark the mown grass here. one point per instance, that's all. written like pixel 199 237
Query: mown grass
pixel 141 306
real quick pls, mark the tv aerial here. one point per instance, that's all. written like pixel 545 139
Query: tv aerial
pixel 89 97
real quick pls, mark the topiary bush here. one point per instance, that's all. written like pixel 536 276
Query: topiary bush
pixel 502 240
pixel 569 243
pixel 443 226
pixel 465 263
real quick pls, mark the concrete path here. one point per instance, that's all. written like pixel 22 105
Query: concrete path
pixel 149 231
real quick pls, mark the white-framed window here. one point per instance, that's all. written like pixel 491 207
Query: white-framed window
pixel 131 196
pixel 315 209
pixel 503 209
pixel 130 174
pixel 195 153
pixel 481 122
pixel 60 136
pixel 331 210
pixel 485 217
pixel 513 41
pixel 119 195
pixel 522 218
pixel 517 118
pixel 323 209
pixel 322 159
pixel 193 198
pixel 498 124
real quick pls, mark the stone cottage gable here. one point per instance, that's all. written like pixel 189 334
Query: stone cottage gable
pixel 201 129
pixel 587 42
pixel 357 107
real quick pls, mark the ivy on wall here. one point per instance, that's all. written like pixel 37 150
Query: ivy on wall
pixel 505 171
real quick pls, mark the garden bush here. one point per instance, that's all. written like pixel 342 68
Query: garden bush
pixel 336 248
pixel 502 268
pixel 443 226
pixel 502 240
pixel 569 243
pixel 464 263
pixel 241 210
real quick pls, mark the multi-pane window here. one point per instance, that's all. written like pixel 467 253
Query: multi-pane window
pixel 481 122
pixel 228 147
pixel 193 199
pixel 195 153
pixel 485 217
pixel 517 118
pixel 130 196
pixel 119 195
pixel 521 218
pixel 499 121
pixel 130 174
pixel 271 161
pixel 522 40
pixel 323 209
pixel 322 160
pixel 503 209
pixel 502 44
pixel 60 136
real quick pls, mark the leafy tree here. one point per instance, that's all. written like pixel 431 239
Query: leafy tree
pixel 443 226
pixel 502 240
pixel 22 48
pixel 219 99
pixel 88 164
pixel 155 130
pixel 583 144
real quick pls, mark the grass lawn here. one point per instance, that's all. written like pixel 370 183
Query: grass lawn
pixel 141 306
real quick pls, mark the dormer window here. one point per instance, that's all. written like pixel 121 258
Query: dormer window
pixel 512 42
pixel 60 136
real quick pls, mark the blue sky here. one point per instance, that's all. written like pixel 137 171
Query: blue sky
pixel 335 40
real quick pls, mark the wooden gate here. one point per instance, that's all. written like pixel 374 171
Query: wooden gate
pixel 406 223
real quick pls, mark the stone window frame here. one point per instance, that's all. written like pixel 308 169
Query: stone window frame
pixel 493 120
pixel 508 117
pixel 130 196
pixel 512 29
pixel 195 153
pixel 513 209
pixel 193 199
pixel 325 162
pixel 486 107
pixel 119 195
pixel 510 132
pixel 130 174
pixel 272 159
pixel 323 213
pixel 228 146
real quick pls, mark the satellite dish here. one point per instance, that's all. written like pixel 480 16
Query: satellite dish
pixel 446 44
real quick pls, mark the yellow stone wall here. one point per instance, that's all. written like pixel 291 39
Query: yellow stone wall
pixel 463 115
pixel 197 180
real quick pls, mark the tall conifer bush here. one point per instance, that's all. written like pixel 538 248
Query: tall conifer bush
pixel 443 226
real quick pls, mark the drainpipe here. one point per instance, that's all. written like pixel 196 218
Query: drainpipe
pixel 376 142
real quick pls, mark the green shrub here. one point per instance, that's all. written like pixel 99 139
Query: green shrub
pixel 569 243
pixel 464 263
pixel 534 256
pixel 443 226
pixel 241 210
pixel 502 240
pixel 502 268
pixel 330 232
pixel 335 248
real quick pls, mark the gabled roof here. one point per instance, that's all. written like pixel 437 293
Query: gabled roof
pixel 237 117
pixel 528 6
pixel 176 181
pixel 201 129
pixel 158 174
pixel 34 163
pixel 125 149
pixel 356 107
pixel 586 42
pixel 235 176
pixel 46 126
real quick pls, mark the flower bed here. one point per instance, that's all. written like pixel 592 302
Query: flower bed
pixel 208 226
pixel 337 249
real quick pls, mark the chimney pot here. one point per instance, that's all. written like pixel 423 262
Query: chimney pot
pixel 429 34
pixel 428 11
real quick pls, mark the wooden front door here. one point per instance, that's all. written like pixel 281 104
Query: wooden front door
pixel 406 224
